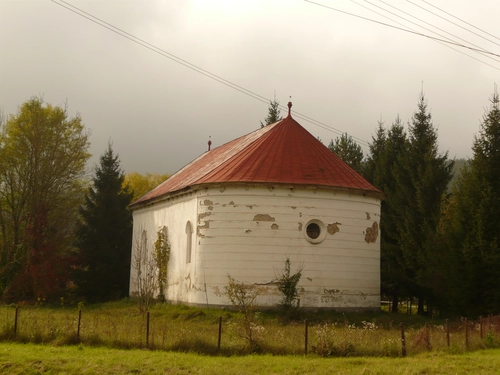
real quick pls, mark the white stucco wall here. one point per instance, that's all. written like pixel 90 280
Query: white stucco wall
pixel 249 231
pixel 173 213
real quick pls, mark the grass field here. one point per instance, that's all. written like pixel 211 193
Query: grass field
pixel 19 359
pixel 178 328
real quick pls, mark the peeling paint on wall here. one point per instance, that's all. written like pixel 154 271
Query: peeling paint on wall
pixel 333 228
pixel 206 225
pixel 331 291
pixel 217 291
pixel 203 215
pixel 234 225
pixel 263 217
pixel 330 298
pixel 372 233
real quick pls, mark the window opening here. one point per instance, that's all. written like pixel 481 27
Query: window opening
pixel 313 230
pixel 189 232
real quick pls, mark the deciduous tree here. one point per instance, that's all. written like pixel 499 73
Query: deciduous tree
pixel 141 184
pixel 43 154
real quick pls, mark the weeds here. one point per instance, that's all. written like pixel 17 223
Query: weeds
pixel 243 298
pixel 190 329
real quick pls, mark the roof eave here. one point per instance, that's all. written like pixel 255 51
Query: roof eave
pixel 365 192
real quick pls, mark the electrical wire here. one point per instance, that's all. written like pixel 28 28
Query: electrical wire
pixel 457 24
pixel 443 44
pixel 194 67
pixel 438 28
pixel 402 29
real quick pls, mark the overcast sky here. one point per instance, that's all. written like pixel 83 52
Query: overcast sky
pixel 345 72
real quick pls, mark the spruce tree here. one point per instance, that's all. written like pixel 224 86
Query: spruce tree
pixel 422 179
pixel 373 169
pixel 385 157
pixel 273 114
pixel 105 234
pixel 470 226
pixel 348 150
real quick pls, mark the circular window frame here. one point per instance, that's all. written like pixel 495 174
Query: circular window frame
pixel 322 231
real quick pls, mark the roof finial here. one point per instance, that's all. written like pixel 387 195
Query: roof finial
pixel 209 142
pixel 290 106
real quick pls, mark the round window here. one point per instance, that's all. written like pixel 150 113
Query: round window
pixel 315 231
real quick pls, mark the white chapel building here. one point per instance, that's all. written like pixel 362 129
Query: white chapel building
pixel 243 208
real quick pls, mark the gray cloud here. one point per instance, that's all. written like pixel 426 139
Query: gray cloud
pixel 345 72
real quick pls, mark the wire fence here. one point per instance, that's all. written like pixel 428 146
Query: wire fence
pixel 101 327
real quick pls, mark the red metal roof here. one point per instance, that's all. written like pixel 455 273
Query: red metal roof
pixel 283 152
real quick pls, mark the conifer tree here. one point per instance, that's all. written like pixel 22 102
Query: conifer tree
pixel 386 152
pixel 422 179
pixel 348 150
pixel 374 168
pixel 470 227
pixel 273 114
pixel 105 234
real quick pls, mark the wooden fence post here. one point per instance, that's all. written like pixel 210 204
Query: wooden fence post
pixel 15 321
pixel 403 340
pixel 447 333
pixel 481 327
pixel 466 334
pixel 428 344
pixel 220 333
pixel 147 329
pixel 306 336
pixel 79 323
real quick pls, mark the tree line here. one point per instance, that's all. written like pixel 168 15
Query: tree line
pixel 438 231
pixel 439 221
pixel 66 234
pixel 63 233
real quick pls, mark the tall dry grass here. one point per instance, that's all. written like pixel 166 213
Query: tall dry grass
pixel 188 329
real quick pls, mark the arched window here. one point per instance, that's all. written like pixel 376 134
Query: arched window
pixel 143 247
pixel 189 232
pixel 144 241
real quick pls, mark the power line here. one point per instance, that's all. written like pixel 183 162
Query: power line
pixel 402 29
pixel 457 24
pixel 427 23
pixel 191 66
pixel 443 44
pixel 481 50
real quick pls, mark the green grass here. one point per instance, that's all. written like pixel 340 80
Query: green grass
pixel 18 358
pixel 193 330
